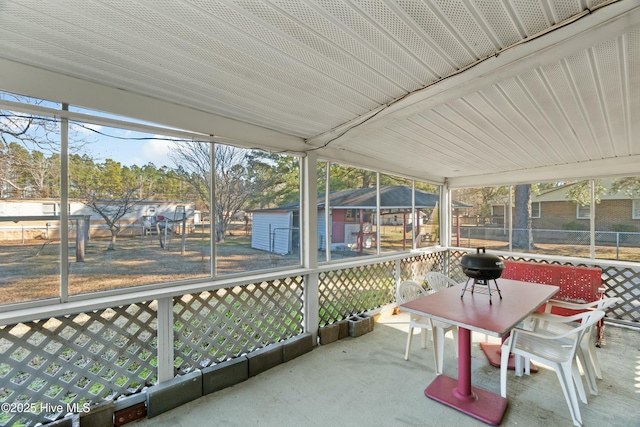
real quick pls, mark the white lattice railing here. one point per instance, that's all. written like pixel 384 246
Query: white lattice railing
pixel 52 365
pixel 348 291
pixel 355 290
pixel 103 354
pixel 212 327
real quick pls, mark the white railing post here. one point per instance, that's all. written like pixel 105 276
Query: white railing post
pixel 311 305
pixel 165 339
pixel 398 274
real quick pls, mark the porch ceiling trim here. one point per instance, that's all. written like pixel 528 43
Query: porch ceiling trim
pixel 39 83
pixel 611 168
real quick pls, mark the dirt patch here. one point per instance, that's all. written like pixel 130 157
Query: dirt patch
pixel 31 270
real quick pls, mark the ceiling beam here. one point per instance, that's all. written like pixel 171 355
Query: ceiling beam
pixel 603 24
pixel 387 166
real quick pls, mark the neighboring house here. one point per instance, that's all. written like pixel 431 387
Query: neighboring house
pixel 554 210
pixel 352 218
pixel 28 217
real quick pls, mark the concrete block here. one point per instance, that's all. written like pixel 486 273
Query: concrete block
pixel 371 321
pixel 225 374
pixel 64 422
pixel 360 325
pixel 297 346
pixel 173 393
pixel 344 329
pixel 265 358
pixel 100 415
pixel 329 333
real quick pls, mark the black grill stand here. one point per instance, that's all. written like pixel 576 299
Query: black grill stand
pixel 483 282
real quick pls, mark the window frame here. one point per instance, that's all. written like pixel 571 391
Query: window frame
pixel 533 215
pixel 588 214
pixel 635 208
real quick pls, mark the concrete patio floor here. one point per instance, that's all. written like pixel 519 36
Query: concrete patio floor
pixel 366 381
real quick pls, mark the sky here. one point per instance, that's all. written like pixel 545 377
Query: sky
pixel 128 152
pixel 122 145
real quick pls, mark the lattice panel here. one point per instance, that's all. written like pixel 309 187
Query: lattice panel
pixel 75 359
pixel 623 283
pixel 455 269
pixel 211 327
pixel 344 293
pixel 416 268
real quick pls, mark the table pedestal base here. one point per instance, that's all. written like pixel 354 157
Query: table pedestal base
pixel 494 353
pixel 480 404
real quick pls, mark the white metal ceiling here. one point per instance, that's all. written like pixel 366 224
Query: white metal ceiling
pixel 473 91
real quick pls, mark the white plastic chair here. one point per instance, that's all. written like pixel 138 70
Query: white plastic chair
pixel 408 291
pixel 438 281
pixel 587 353
pixel 555 350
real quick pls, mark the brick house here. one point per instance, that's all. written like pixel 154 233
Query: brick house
pixel 553 210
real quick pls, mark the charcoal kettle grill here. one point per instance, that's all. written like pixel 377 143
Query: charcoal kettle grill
pixel 482 268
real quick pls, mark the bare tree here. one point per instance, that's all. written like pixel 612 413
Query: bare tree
pixel 14 160
pixel 36 132
pixel 192 164
pixel 30 131
pixel 234 185
pixel 109 189
pixel 30 151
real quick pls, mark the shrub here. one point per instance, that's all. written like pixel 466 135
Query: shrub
pixel 573 225
pixel 624 228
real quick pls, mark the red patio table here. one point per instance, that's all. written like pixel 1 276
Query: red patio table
pixel 474 313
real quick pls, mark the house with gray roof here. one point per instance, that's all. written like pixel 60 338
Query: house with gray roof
pixel 352 219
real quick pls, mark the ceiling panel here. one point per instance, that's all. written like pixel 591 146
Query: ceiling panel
pixel 445 89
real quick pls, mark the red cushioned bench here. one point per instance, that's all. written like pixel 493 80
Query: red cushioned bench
pixel 577 284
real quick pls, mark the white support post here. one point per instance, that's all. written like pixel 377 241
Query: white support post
pixel 510 216
pixel 309 244
pixel 327 213
pixel 378 217
pixel 445 215
pixel 592 218
pixel 213 259
pixel 445 224
pixel 165 339
pixel 63 226
pixel 414 221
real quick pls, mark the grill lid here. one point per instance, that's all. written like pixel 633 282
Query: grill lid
pixel 482 265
